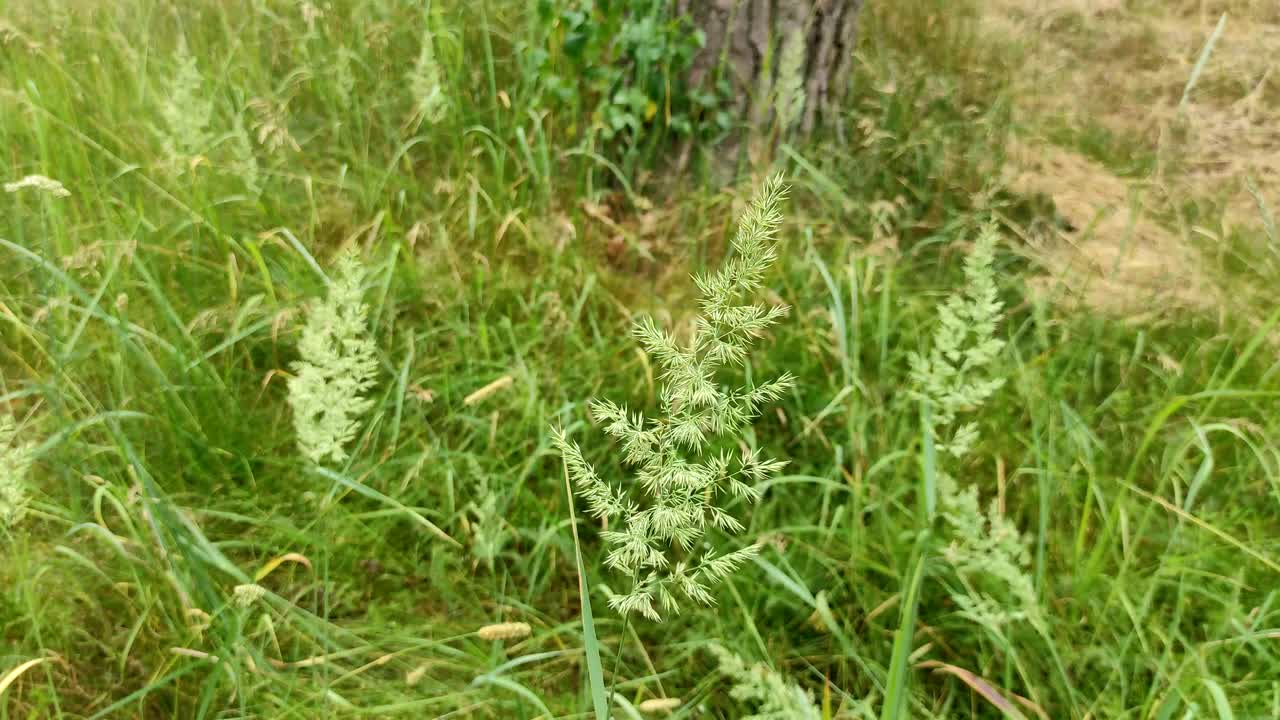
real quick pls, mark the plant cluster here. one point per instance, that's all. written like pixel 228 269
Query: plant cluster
pixel 680 473
pixel 626 65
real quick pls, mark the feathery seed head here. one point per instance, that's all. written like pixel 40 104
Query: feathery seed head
pixel 990 555
pixel 244 596
pixel 336 368
pixel 777 698
pixel 955 378
pixel 39 183
pixel 344 79
pixel 426 84
pixel 271 123
pixel 789 96
pixel 243 159
pixel 15 462
pixel 187 110
pixel 679 474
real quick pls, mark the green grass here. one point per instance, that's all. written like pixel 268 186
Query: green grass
pixel 147 321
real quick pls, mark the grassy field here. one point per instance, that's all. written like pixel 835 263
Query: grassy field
pixel 170 553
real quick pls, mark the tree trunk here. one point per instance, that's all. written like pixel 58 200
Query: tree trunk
pixel 788 61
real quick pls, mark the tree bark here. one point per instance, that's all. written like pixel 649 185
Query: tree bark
pixel 773 51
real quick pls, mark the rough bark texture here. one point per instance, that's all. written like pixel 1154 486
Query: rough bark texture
pixel 747 39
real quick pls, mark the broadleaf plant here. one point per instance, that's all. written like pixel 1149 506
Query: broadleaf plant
pixel 658 520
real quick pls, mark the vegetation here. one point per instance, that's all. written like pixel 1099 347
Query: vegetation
pixel 302 303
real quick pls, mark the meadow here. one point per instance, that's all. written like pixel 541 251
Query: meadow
pixel 1024 398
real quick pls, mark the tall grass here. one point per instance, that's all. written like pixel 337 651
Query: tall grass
pixel 150 321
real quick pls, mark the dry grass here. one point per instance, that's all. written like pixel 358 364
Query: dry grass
pixel 1124 67
pixel 1126 70
pixel 1109 255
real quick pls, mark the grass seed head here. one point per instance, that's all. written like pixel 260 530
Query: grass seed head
pixel 15 462
pixel 244 596
pixel 336 369
pixel 39 183
pixel 504 631
pixel 659 705
pixel 680 475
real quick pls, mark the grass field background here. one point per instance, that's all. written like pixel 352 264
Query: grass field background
pixel 219 155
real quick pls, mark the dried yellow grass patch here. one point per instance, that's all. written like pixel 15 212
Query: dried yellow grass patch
pixel 1125 66
pixel 1111 258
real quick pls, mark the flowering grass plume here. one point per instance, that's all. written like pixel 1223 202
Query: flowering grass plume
pixel 336 368
pixel 679 477
pixel 15 461
pixel 660 705
pixel 426 83
pixel 956 377
pixel 39 183
pixel 789 96
pixel 343 73
pixel 991 558
pixel 777 698
pixel 243 160
pixel 244 596
pixel 271 125
pixel 187 110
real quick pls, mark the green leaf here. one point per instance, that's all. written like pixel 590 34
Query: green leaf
pixel 591 645
pixel 929 468
pixel 1220 702
pixel 895 694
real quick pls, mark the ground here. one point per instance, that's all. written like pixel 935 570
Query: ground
pixel 178 557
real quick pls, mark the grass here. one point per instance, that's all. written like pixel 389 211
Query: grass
pixel 148 322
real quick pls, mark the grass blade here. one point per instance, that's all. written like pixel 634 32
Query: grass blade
pixel 514 687
pixel 929 469
pixel 372 494
pixel 1202 60
pixel 15 673
pixel 1220 702
pixel 591 644
pixel 895 696
pixel 979 685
